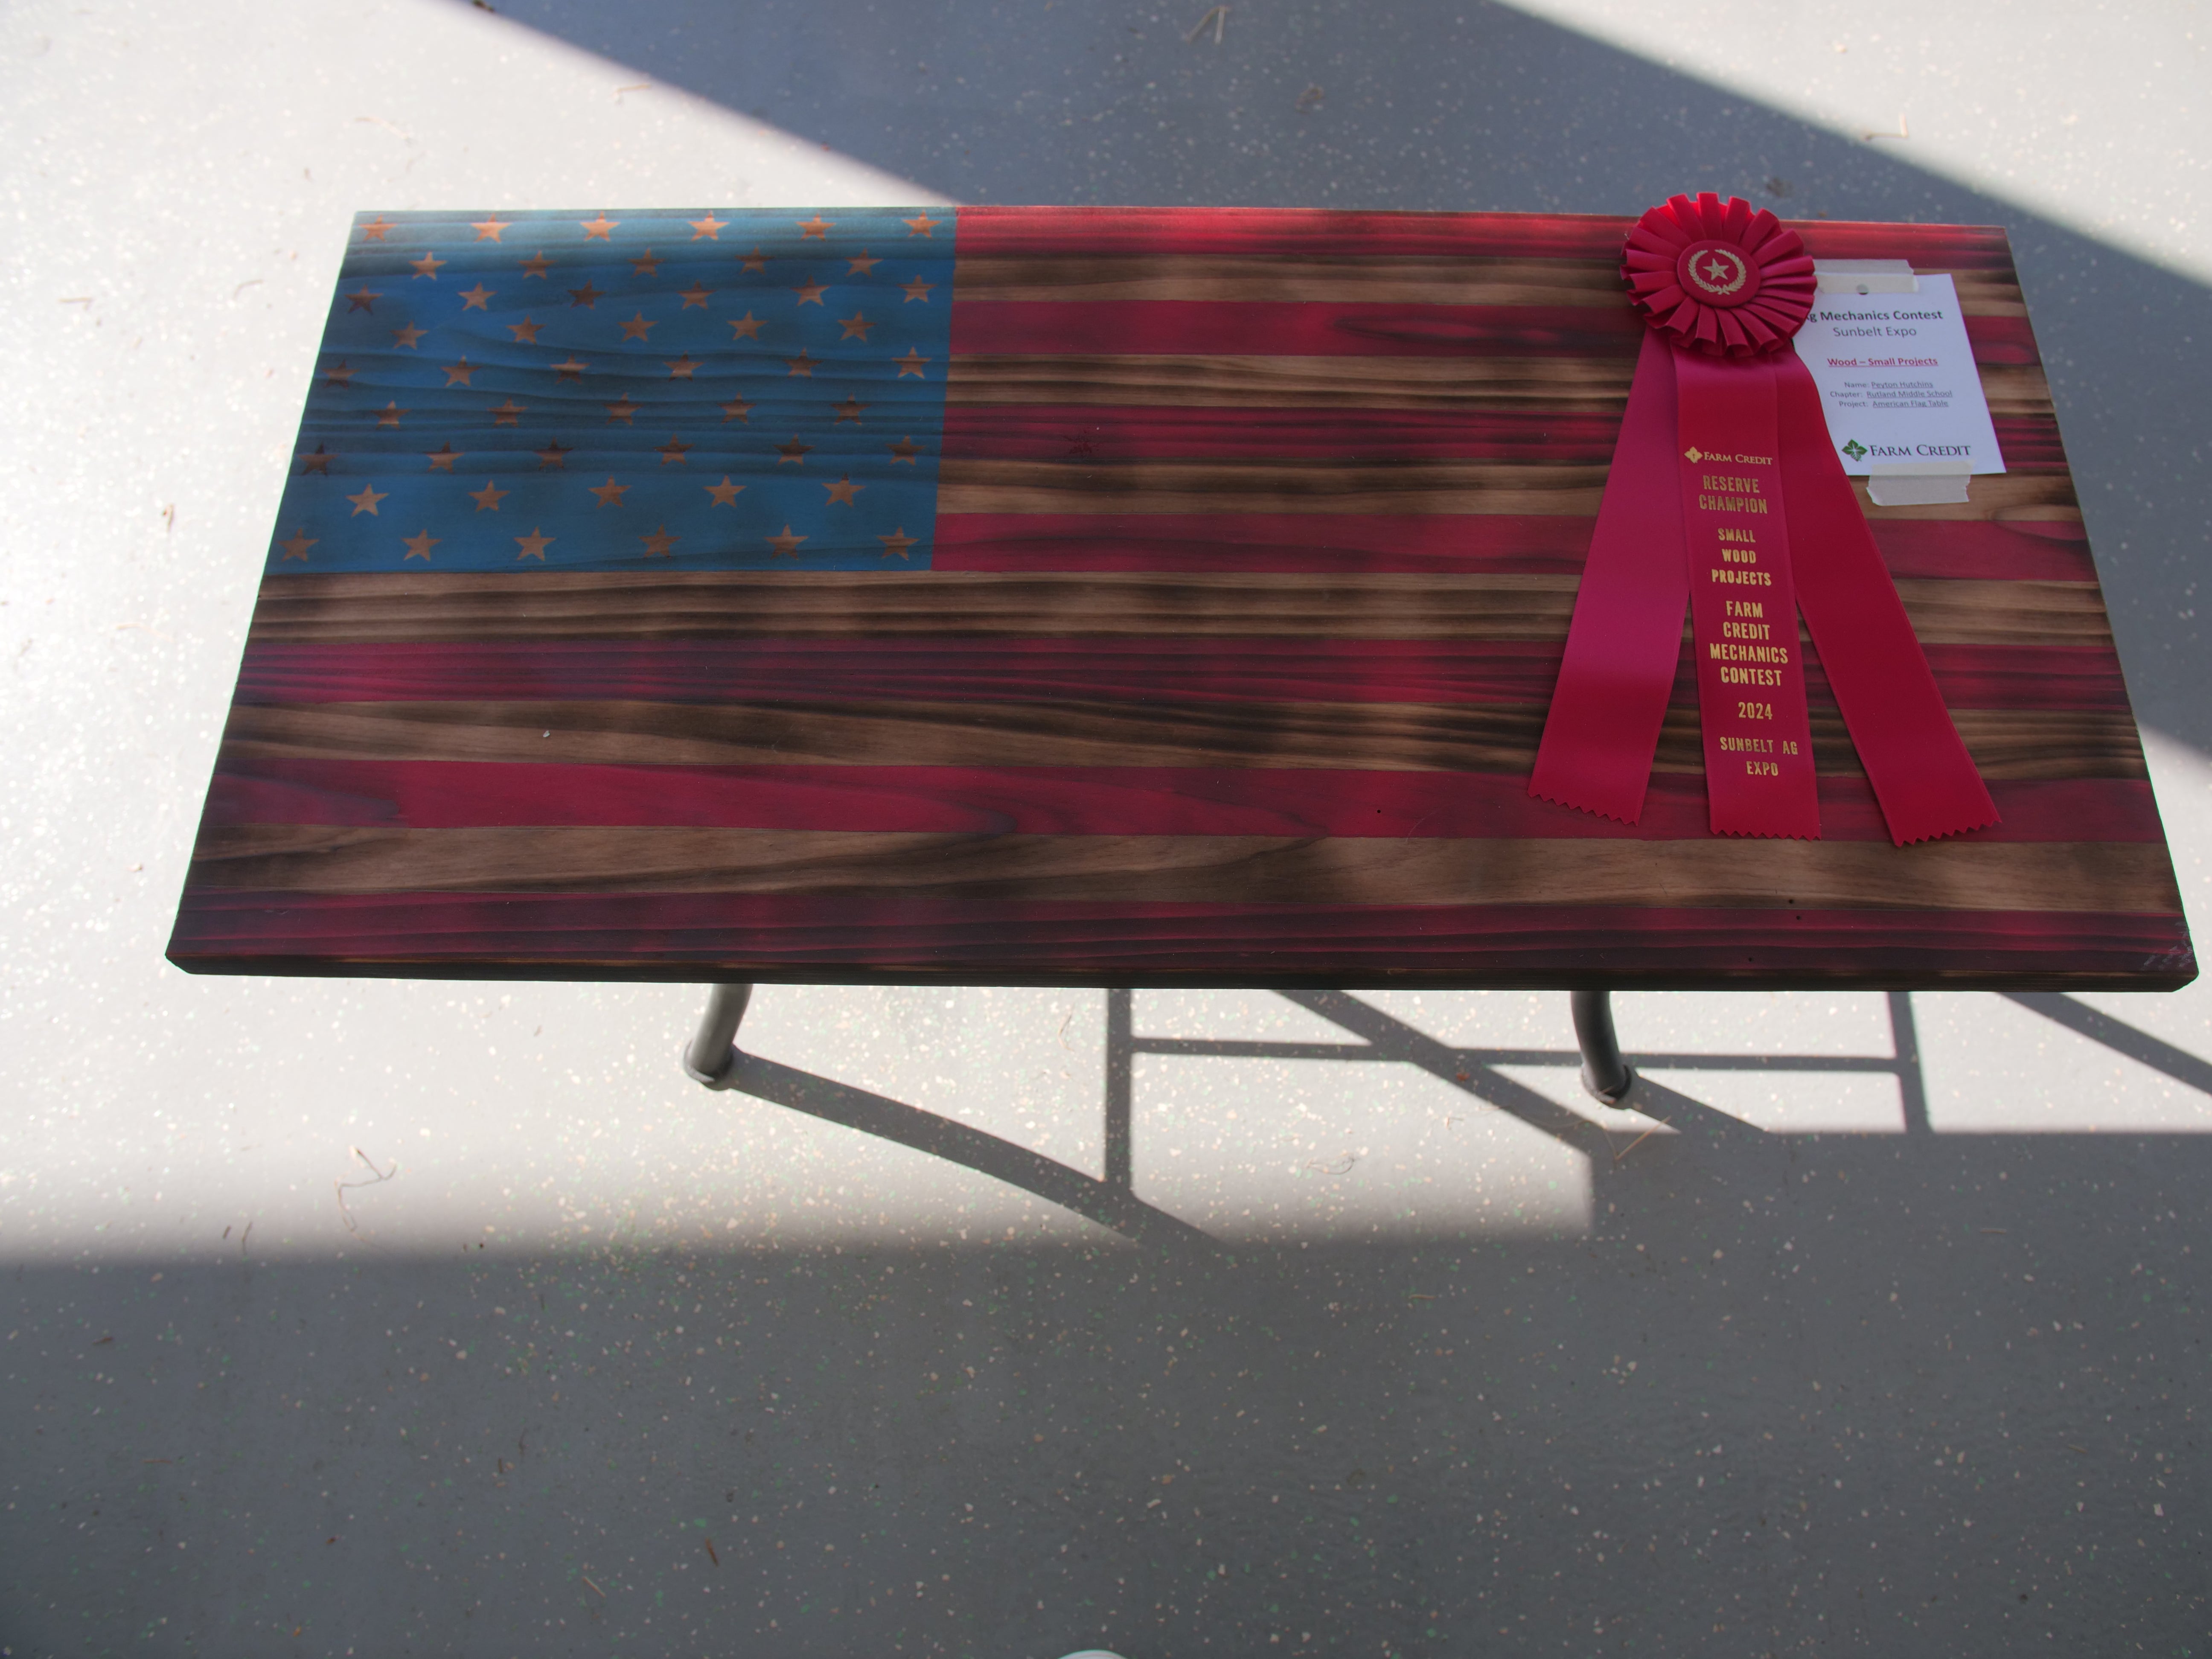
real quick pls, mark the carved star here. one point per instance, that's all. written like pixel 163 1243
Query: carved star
pixel 297 547
pixel 506 414
pixel 366 500
pixel 682 368
pixel 736 409
pixel 525 331
pixel 795 452
pixel 362 299
pixel 374 229
pixel 317 462
pixel 341 374
pixel 408 336
pixel 708 229
pixel 849 411
pixel 917 289
pixel 856 327
pixel 429 265
pixel 419 546
pixel 697 294
pixel 810 292
pixel 646 264
pixel 610 493
pixel 746 327
pixel 911 363
pixel 488 230
pixel 460 372
pixel 489 498
pixel 600 227
pixel 389 415
pixel 637 328
pixel 802 364
pixel 724 493
pixel 861 266
pixel 533 545
pixel 817 226
pixel 477 299
pixel 553 455
pixel 674 450
pixel 784 546
pixel 898 542
pixel 536 265
pixel 658 544
pixel 920 227
pixel 572 370
pixel 622 411
pixel 842 493
pixel 586 296
pixel 441 459
pixel 754 261
pixel 905 450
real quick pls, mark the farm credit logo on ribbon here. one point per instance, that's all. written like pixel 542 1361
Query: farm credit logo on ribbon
pixel 1725 498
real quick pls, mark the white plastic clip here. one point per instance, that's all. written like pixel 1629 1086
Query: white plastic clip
pixel 1865 276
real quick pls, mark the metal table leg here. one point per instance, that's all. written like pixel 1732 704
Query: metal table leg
pixel 711 1057
pixel 1605 1074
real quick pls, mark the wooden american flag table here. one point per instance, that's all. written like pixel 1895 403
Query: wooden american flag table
pixel 1082 597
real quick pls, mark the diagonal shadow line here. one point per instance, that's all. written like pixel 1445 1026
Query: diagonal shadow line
pixel 1233 1048
pixel 1394 1039
pixel 2118 1035
pixel 956 1143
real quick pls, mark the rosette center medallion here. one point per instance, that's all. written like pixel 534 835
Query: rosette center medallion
pixel 1718 273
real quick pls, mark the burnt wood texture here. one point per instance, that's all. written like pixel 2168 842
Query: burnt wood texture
pixel 1256 538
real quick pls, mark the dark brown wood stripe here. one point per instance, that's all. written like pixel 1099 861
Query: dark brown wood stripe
pixel 1388 605
pixel 1954 875
pixel 1565 383
pixel 1306 485
pixel 770 938
pixel 1596 384
pixel 2006 744
pixel 1318 484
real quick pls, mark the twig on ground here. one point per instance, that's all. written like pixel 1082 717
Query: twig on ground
pixel 344 1187
pixel 1219 17
pixel 1639 1139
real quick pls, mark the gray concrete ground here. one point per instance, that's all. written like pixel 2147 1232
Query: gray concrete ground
pixel 379 1318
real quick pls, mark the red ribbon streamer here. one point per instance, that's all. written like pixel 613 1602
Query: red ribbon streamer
pixel 1725 498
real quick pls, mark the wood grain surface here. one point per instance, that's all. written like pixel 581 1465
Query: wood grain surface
pixel 1257 535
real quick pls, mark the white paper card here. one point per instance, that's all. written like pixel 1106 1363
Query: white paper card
pixel 1897 379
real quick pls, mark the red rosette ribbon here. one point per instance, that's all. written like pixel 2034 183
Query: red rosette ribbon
pixel 1724 279
pixel 1726 500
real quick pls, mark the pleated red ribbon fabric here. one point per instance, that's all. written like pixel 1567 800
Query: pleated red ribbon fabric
pixel 1726 500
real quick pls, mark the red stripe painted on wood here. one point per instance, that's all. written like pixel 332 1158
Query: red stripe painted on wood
pixel 1041 432
pixel 1263 231
pixel 1212 328
pixel 2036 550
pixel 1497 235
pixel 1015 670
pixel 2029 442
pixel 1981 549
pixel 2002 340
pixel 1063 800
pixel 674 936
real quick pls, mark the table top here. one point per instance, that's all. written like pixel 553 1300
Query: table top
pixel 1081 597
